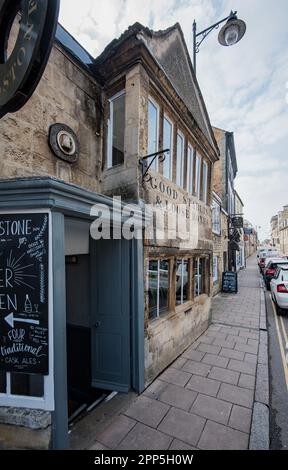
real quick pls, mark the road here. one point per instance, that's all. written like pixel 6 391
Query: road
pixel 278 356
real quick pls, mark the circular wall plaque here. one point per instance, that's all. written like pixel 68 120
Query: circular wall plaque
pixel 64 143
pixel 23 66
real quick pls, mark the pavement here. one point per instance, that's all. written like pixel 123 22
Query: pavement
pixel 215 395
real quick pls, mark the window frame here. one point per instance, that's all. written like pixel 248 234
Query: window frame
pixel 47 401
pixel 198 163
pixel 167 118
pixel 158 310
pixel 109 160
pixel 183 260
pixel 181 182
pixel 216 208
pixel 204 182
pixel 155 165
pixel 190 168
pixel 216 265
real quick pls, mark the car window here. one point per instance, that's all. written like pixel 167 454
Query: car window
pixel 284 275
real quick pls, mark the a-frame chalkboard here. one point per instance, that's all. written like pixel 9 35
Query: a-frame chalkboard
pixel 24 250
pixel 230 282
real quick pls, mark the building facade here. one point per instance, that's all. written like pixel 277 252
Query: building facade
pixel 225 171
pixel 138 98
pixel 250 239
pixel 282 229
pixel 240 255
pixel 275 238
pixel 220 242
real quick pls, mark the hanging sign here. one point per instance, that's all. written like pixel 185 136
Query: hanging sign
pixel 24 251
pixel 21 68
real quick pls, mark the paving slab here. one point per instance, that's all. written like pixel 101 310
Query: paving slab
pixel 240 418
pixel 175 376
pixel 211 408
pixel 113 435
pixel 145 438
pixel 218 437
pixel 182 425
pixel 178 397
pixel 147 411
pixel 224 375
pixel 204 385
pixel 236 395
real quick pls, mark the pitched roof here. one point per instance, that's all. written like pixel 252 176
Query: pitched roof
pixel 169 50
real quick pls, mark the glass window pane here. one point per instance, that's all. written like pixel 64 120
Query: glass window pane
pixel 118 130
pixel 190 170
pixel 179 282
pixel 180 154
pixel 204 182
pixel 163 285
pixel 153 288
pixel 27 385
pixel 185 294
pixel 152 131
pixel 2 381
pixel 202 276
pixel 197 176
pixel 167 144
pixel 197 279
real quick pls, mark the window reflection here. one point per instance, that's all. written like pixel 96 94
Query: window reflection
pixel 2 381
pixel 182 278
pixel 158 280
pixel 27 385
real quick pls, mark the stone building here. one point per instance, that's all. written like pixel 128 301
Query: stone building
pixel 224 174
pixel 274 225
pixel 240 255
pixel 283 230
pixel 220 242
pixel 250 239
pixel 119 309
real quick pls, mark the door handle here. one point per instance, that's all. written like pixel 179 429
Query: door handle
pixel 97 324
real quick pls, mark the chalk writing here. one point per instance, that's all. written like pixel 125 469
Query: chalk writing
pixel 23 289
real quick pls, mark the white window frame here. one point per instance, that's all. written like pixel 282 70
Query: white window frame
pixel 198 175
pixel 47 401
pixel 158 286
pixel 170 155
pixel 110 130
pixel 196 291
pixel 190 168
pixel 180 181
pixel 205 181
pixel 182 278
pixel 156 105
pixel 215 269
pixel 216 209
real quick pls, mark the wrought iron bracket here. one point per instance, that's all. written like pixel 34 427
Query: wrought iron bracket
pixel 146 177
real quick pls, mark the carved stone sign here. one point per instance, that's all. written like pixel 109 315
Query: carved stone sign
pixel 24 279
pixel 21 71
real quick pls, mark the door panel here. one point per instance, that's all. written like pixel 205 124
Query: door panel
pixel 110 314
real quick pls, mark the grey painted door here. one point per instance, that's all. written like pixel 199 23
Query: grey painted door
pixel 110 314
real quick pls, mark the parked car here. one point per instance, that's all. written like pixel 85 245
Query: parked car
pixel 270 269
pixel 267 254
pixel 279 289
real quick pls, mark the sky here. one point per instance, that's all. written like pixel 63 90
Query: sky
pixel 245 87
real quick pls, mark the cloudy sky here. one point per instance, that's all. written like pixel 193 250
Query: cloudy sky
pixel 245 87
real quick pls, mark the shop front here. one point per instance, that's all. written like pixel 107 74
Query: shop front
pixel 59 348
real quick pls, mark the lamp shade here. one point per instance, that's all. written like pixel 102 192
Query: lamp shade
pixel 232 32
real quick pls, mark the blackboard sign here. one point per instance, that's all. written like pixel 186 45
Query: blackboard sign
pixel 230 282
pixel 24 240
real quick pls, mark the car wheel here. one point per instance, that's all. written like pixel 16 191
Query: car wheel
pixel 278 309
